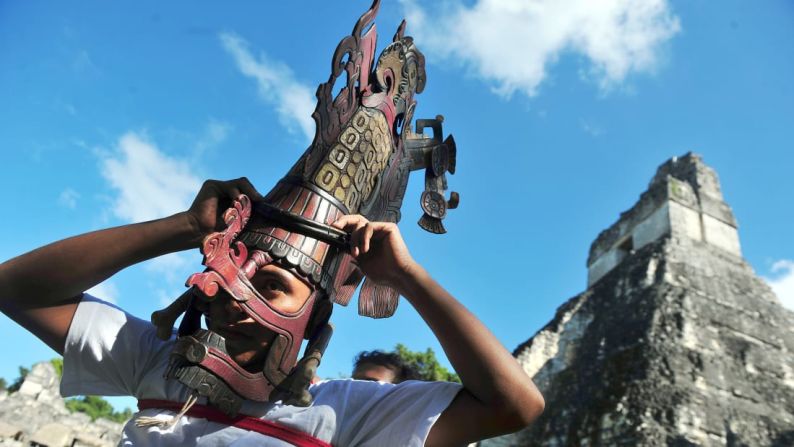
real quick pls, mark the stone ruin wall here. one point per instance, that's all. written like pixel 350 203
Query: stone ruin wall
pixel 37 415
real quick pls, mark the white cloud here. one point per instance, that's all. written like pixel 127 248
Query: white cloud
pixel 82 64
pixel 150 184
pixel 217 131
pixel 68 198
pixel 62 106
pixel 294 101
pixel 106 290
pixel 165 298
pixel 175 267
pixel 591 128
pixel 214 134
pixel 783 282
pixel 512 43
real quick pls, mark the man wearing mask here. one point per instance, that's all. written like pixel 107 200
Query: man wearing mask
pixel 275 264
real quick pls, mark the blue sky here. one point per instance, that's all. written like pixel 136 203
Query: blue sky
pixel 562 110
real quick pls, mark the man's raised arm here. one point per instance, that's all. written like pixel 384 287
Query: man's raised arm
pixel 41 289
pixel 498 397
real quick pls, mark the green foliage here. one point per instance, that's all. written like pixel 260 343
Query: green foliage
pixel 17 384
pixel 93 406
pixel 58 364
pixel 96 407
pixel 426 363
pixel 121 416
pixel 3 384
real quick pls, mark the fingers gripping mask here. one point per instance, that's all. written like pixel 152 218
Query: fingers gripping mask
pixel 359 162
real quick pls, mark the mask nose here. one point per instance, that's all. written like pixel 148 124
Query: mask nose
pixel 233 307
pixel 224 309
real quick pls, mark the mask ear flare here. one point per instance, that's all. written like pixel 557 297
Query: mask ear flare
pixel 164 319
pixel 191 322
pixel 349 277
pixel 377 301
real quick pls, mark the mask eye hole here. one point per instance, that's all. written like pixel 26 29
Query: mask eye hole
pixel 275 286
pixel 268 285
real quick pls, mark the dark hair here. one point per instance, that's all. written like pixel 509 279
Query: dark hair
pixel 402 370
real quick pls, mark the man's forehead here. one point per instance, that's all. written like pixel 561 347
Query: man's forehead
pixel 371 371
pixel 375 366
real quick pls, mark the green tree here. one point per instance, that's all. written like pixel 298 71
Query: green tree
pixel 426 363
pixel 121 416
pixel 58 364
pixel 97 407
pixel 3 384
pixel 94 406
pixel 17 384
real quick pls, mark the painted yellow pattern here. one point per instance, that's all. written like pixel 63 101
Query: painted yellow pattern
pixel 357 159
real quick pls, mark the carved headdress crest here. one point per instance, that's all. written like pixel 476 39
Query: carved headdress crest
pixel 358 163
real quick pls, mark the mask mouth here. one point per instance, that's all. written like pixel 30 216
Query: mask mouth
pixel 247 344
pixel 235 331
pixel 187 364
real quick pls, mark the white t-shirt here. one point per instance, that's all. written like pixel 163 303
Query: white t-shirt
pixel 109 352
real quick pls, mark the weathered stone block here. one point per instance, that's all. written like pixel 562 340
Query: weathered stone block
pixel 40 415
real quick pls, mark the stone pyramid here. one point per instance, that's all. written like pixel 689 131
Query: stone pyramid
pixel 675 342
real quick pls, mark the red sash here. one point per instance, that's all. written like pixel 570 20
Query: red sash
pixel 267 428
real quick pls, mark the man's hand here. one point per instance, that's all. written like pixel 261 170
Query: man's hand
pixel 206 212
pixel 379 249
